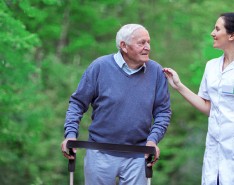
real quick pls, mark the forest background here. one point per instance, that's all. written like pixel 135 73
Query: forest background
pixel 46 45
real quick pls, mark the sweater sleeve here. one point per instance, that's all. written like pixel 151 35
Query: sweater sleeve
pixel 161 110
pixel 79 104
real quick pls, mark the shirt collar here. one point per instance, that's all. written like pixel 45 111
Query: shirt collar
pixel 229 67
pixel 121 62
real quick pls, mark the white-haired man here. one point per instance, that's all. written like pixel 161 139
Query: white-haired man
pixel 129 96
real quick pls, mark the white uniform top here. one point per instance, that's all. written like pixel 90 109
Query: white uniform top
pixel 218 87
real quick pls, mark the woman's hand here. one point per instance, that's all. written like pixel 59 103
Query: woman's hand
pixel 173 78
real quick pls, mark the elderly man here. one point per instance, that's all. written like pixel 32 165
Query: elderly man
pixel 129 96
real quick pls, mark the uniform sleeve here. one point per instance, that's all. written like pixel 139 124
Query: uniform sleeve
pixel 203 90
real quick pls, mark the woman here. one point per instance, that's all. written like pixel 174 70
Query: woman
pixel 216 99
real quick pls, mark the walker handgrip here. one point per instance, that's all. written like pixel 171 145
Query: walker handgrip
pixel 72 162
pixel 148 169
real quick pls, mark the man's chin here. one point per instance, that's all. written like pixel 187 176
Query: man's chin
pixel 145 59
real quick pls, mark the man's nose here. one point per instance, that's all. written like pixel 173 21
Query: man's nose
pixel 147 46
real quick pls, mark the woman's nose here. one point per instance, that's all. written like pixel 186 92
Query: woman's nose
pixel 212 33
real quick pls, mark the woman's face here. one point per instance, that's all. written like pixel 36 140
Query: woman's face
pixel 220 36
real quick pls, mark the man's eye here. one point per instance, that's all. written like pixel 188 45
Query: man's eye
pixel 141 43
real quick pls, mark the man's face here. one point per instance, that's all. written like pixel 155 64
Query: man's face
pixel 137 50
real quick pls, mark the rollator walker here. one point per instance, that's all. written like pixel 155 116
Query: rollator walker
pixel 111 147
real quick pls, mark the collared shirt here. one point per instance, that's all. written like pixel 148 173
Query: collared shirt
pixel 123 65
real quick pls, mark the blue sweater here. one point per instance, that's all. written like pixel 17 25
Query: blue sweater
pixel 127 109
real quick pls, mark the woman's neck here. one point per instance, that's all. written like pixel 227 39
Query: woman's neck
pixel 228 57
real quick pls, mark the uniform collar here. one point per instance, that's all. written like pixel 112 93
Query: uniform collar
pixel 228 68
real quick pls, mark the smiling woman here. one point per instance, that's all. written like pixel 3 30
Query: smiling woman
pixel 224 32
pixel 219 34
pixel 216 98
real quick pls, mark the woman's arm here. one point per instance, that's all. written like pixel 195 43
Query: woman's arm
pixel 195 100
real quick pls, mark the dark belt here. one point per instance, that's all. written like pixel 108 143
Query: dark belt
pixel 112 147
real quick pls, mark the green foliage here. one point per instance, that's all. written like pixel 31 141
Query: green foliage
pixel 46 45
pixel 20 93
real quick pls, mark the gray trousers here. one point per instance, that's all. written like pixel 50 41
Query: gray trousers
pixel 105 169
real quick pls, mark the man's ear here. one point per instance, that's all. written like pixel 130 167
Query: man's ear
pixel 123 46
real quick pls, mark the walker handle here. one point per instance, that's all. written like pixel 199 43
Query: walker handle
pixel 72 162
pixel 148 169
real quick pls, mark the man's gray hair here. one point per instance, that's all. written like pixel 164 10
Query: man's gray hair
pixel 125 33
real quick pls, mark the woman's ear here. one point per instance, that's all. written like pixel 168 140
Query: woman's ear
pixel 123 46
pixel 231 36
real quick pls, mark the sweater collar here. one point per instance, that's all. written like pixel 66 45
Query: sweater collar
pixel 122 64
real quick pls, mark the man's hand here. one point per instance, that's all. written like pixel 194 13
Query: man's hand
pixel 156 157
pixel 65 150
